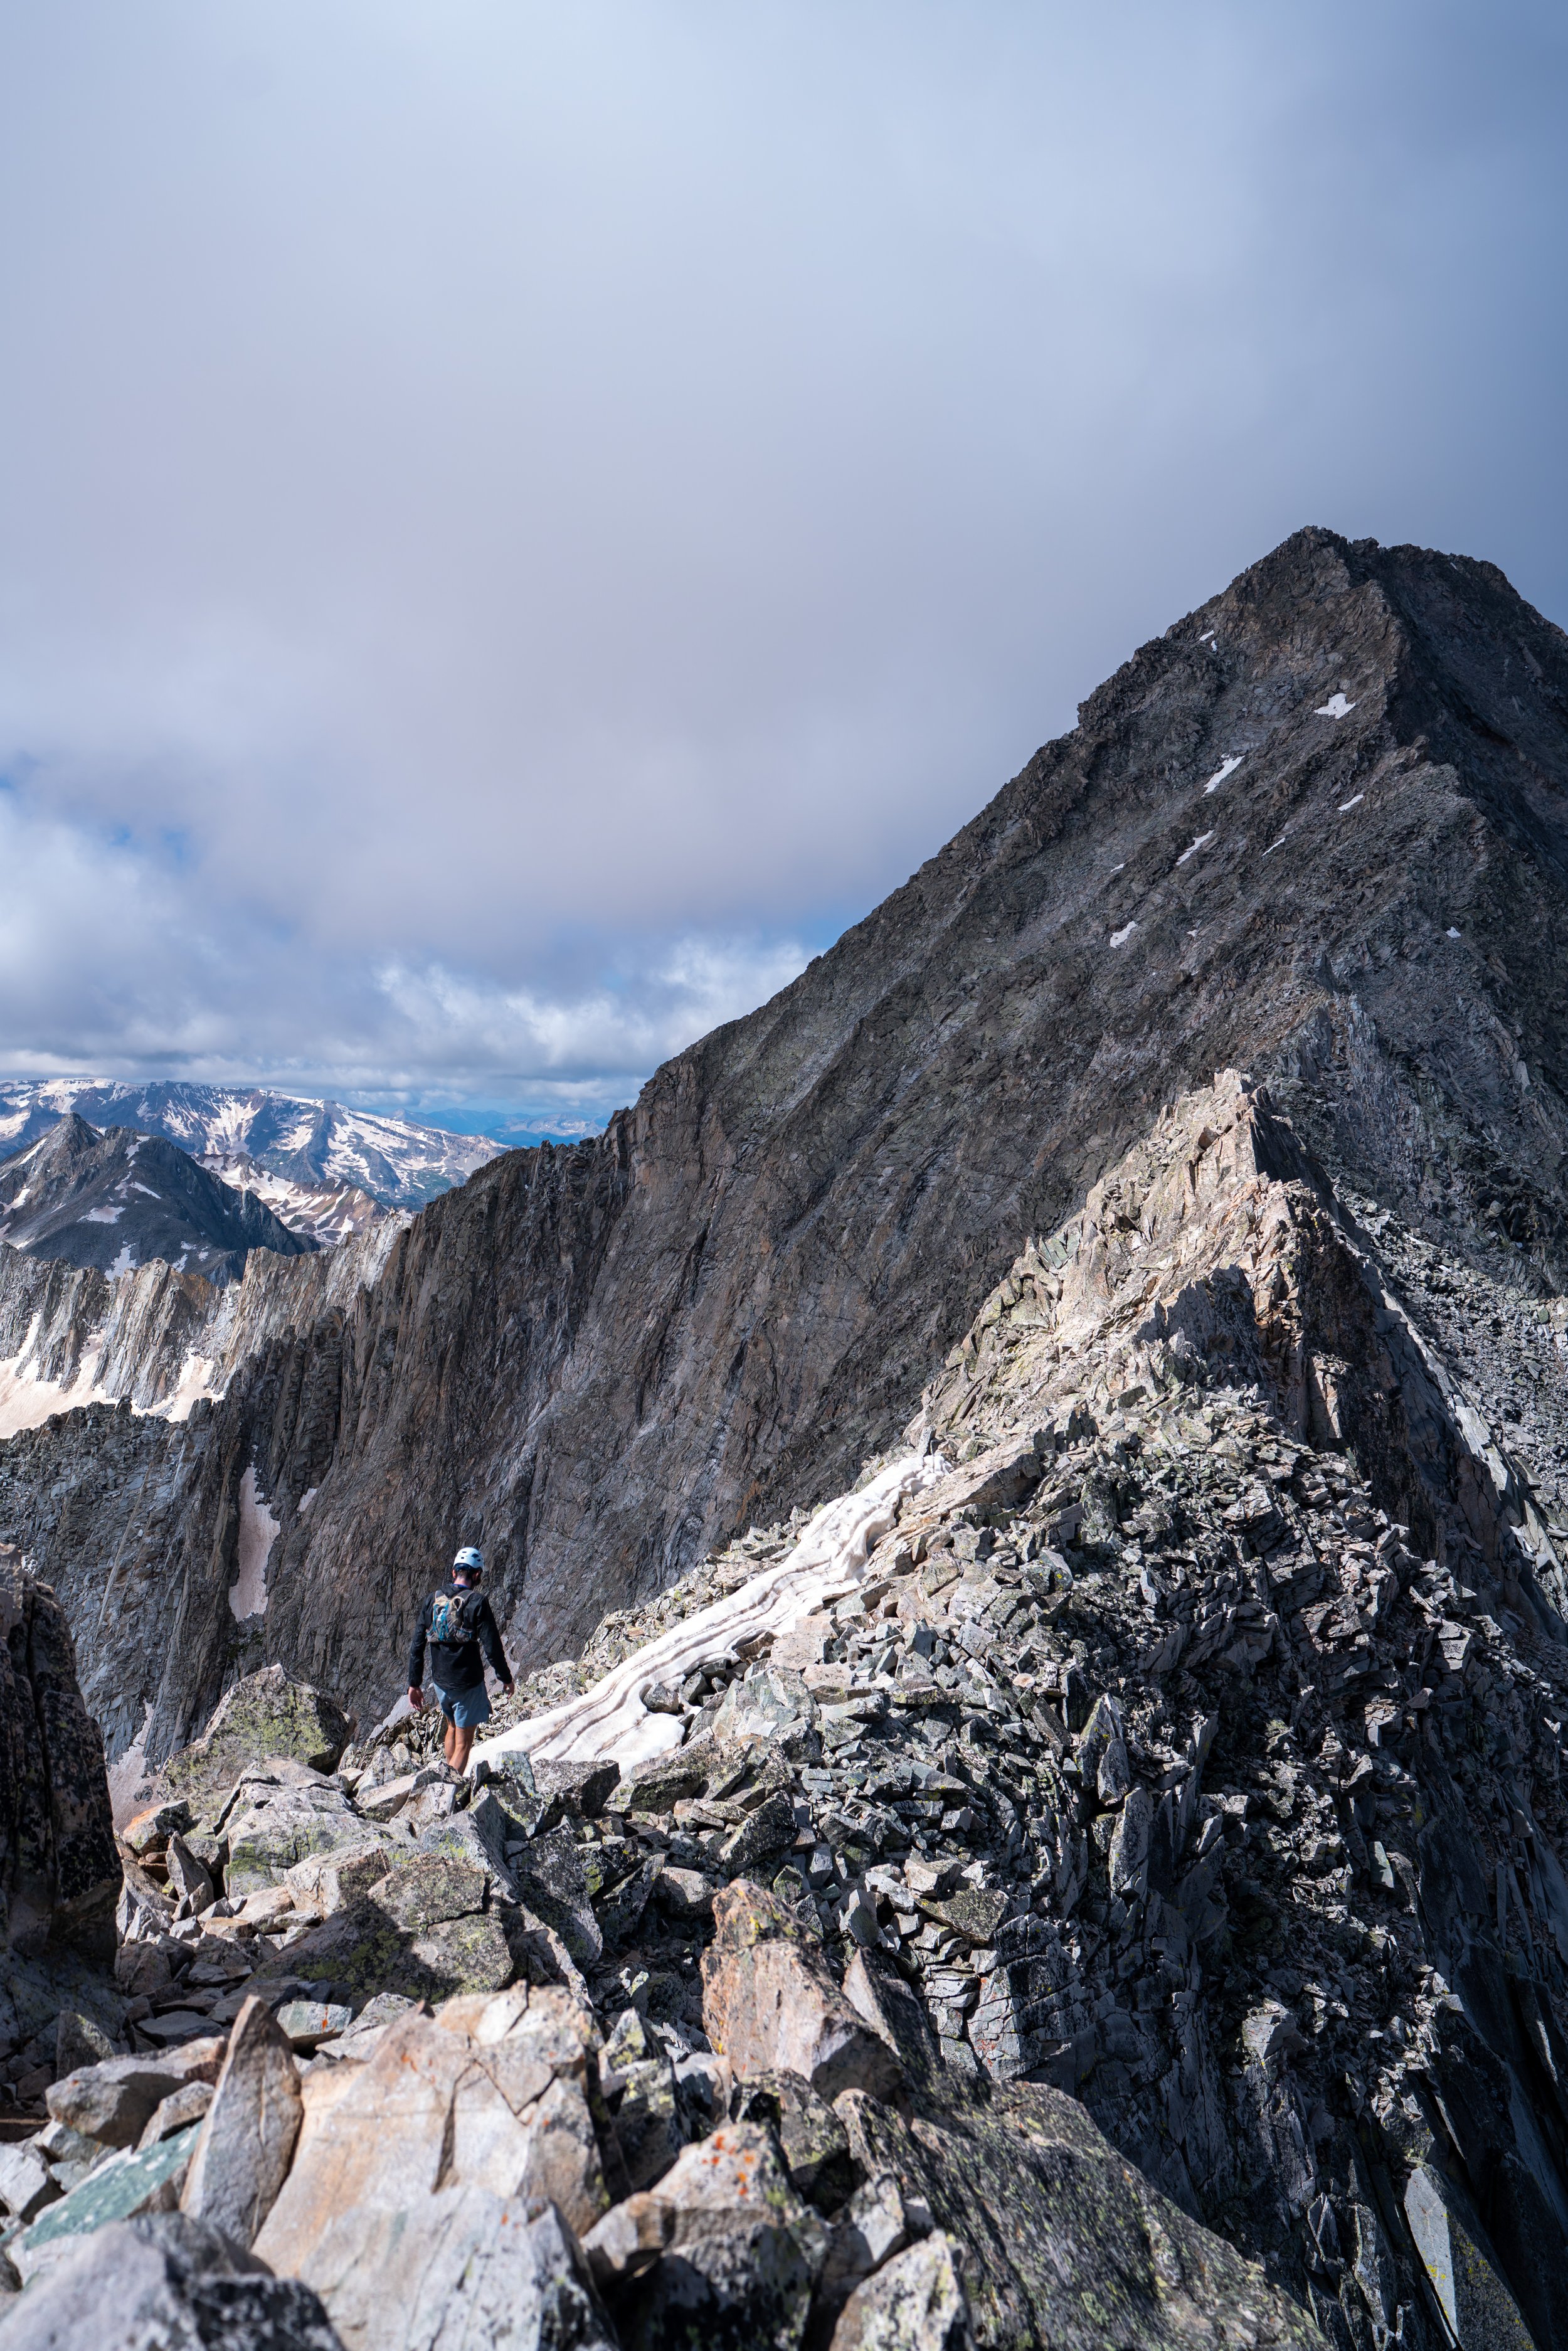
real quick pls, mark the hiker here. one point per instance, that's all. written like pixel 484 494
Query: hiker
pixel 458 1624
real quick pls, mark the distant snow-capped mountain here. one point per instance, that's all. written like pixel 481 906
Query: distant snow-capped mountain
pixel 328 1214
pixel 320 1146
pixel 119 1199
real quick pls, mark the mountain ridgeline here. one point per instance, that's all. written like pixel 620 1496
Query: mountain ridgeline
pixel 1315 831
pixel 1162 1195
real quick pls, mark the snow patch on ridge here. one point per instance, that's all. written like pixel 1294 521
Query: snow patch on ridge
pixel 610 1721
pixel 26 1401
pixel 257 1533
pixel 125 1777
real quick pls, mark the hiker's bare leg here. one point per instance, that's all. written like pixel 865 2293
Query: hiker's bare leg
pixel 462 1746
pixel 450 1735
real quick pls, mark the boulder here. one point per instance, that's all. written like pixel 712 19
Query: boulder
pixel 143 1910
pixel 277 1825
pixel 771 1704
pixel 26 2183
pixel 265 1714
pixel 78 2041
pixel 771 2004
pixel 1059 2228
pixel 425 1930
pixel 436 2107
pixel 248 2132
pixel 176 2112
pixel 628 2240
pixel 874 2226
pixel 167 2280
pixel 149 1829
pixel 549 1879
pixel 60 1869
pixel 138 2180
pixel 683 1894
pixel 581 1788
pixel 740 2252
pixel 459 2270
pixel 326 1881
pixel 113 2102
pixel 916 2304
pixel 637 2082
pixel 815 2143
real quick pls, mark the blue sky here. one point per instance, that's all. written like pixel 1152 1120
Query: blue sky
pixel 521 522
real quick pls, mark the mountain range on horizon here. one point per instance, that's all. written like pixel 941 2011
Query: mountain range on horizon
pixel 316 1143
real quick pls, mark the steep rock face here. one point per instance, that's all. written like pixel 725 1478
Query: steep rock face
pixel 114 1200
pixel 1316 830
pixel 159 1340
pixel 59 1871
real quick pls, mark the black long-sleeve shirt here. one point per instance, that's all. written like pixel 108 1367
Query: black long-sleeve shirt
pixel 455 1671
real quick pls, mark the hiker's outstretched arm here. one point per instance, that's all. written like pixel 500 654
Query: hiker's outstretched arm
pixel 416 1652
pixel 490 1642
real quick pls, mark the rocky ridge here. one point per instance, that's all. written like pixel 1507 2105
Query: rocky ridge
pixel 1316 830
pixel 1133 1911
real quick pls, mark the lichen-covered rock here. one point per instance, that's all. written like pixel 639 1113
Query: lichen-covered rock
pixel 740 2253
pixel 916 2304
pixel 428 1930
pixel 59 1871
pixel 811 2138
pixel 278 1824
pixel 1064 2241
pixel 265 1714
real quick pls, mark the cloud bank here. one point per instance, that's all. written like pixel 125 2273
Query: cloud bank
pixel 521 522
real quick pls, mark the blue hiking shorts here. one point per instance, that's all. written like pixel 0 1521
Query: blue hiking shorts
pixel 468 1710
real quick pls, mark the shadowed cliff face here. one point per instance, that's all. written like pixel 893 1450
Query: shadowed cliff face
pixel 1257 847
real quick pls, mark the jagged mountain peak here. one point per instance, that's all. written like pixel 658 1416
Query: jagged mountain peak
pixel 120 1200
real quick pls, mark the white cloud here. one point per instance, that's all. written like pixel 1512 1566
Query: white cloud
pixel 518 515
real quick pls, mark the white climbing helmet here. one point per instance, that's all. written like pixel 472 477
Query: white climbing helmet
pixel 471 1560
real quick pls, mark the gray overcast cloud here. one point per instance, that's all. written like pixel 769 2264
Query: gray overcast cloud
pixel 519 522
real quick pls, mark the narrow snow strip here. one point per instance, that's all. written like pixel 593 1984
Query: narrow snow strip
pixel 1273 845
pixel 1119 938
pixel 1207 638
pixel 196 1380
pixel 1452 935
pixel 257 1533
pixel 1351 803
pixel 126 1775
pixel 610 1721
pixel 1336 706
pixel 1201 843
pixel 1226 768
pixel 102 1216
